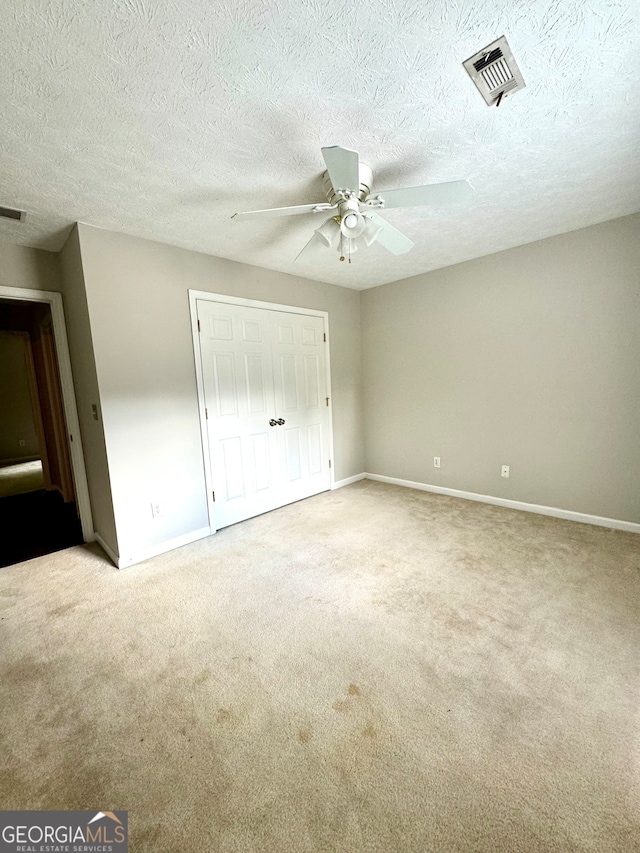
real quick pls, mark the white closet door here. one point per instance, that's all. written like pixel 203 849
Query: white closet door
pixel 238 385
pixel 299 373
pixel 264 377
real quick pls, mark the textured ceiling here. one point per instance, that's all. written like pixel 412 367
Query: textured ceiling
pixel 161 118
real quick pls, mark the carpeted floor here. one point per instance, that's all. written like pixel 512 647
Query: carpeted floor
pixel 21 478
pixel 373 669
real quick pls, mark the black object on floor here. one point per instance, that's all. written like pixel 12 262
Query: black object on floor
pixel 36 523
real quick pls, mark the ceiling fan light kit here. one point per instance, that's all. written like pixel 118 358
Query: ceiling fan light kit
pixel 348 247
pixel 354 223
pixel 329 232
pixel 371 231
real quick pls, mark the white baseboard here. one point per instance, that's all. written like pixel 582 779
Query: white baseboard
pixel 556 512
pixel 348 480
pixel 156 550
pixel 111 554
pixel 17 460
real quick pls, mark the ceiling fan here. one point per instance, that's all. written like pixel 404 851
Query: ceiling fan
pixel 354 223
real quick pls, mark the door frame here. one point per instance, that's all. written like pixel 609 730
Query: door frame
pixel 54 300
pixel 207 296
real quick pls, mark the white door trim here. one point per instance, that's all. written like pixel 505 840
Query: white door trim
pixel 54 300
pixel 205 295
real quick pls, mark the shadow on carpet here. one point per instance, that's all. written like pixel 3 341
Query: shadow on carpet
pixel 34 524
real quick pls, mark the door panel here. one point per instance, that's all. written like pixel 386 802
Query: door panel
pixel 314 438
pixel 311 381
pixel 285 333
pixel 238 385
pixel 288 383
pixel 292 454
pixel 251 331
pixel 224 371
pixel 260 366
pixel 261 462
pixel 220 328
pixel 256 395
pixel 233 467
pixel 310 335
pixel 300 395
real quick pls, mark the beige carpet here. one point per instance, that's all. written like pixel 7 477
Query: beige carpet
pixel 374 669
pixel 21 478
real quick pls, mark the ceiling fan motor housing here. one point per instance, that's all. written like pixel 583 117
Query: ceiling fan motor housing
pixel 337 194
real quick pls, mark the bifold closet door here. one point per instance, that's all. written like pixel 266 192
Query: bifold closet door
pixel 299 374
pixel 264 375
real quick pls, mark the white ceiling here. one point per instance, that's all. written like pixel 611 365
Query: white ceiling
pixel 161 118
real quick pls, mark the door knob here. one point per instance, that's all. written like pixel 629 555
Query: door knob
pixel 273 423
pixel 280 422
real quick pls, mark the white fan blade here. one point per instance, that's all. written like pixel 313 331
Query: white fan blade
pixel 343 166
pixel 390 237
pixel 314 241
pixel 284 211
pixel 433 195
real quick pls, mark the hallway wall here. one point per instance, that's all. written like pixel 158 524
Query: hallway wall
pixel 16 416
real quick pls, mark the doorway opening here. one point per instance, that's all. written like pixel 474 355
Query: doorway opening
pixel 39 500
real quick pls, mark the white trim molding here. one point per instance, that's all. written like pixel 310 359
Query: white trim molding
pixel 54 300
pixel 156 550
pixel 111 554
pixel 338 484
pixel 555 512
pixel 18 460
pixel 210 296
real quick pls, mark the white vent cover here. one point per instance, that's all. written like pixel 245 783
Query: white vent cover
pixel 12 213
pixel 494 71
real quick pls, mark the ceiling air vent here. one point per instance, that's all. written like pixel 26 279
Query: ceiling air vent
pixel 11 213
pixel 494 71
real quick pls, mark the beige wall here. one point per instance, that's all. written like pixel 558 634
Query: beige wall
pixel 16 415
pixel 86 390
pixel 530 358
pixel 137 293
pixel 35 269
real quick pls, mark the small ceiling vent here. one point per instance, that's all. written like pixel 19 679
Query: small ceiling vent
pixel 494 71
pixel 11 213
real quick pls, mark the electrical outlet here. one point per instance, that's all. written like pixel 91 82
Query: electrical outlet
pixel 505 470
pixel 22 442
pixel 436 461
pixel 157 509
